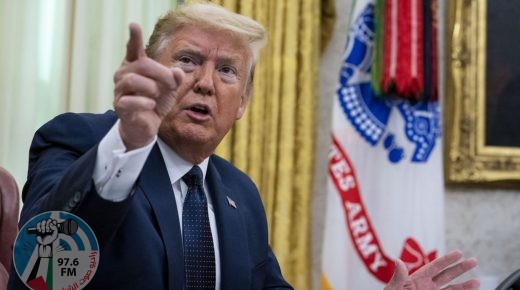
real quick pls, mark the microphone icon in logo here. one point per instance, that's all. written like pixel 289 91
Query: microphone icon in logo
pixel 67 227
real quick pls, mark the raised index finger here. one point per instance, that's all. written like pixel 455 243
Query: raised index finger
pixel 134 46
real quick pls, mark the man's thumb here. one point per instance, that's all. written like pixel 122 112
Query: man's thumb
pixel 400 272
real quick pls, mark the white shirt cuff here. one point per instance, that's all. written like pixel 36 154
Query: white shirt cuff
pixel 116 171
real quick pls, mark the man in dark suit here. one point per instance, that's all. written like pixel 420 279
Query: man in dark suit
pixel 122 172
pixel 141 175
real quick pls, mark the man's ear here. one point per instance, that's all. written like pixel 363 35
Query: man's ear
pixel 244 100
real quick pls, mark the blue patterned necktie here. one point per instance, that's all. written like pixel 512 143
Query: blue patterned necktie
pixel 199 253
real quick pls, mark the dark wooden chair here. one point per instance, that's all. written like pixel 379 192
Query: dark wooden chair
pixel 512 282
pixel 9 209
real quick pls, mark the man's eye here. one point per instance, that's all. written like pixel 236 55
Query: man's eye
pixel 185 59
pixel 228 70
pixel 186 63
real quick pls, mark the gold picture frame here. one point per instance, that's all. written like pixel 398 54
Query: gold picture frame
pixel 468 159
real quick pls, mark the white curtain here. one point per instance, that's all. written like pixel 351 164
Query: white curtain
pixel 58 56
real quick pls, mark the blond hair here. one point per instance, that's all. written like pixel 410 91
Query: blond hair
pixel 206 14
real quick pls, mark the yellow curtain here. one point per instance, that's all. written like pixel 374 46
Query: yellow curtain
pixel 274 142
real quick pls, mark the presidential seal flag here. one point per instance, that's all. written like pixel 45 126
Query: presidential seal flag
pixel 385 183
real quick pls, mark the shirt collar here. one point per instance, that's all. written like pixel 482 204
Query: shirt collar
pixel 177 166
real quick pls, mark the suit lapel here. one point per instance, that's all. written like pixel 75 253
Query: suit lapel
pixel 232 235
pixel 155 183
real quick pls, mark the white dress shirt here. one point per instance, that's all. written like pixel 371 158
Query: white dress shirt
pixel 116 172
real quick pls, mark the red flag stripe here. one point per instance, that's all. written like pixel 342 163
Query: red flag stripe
pixel 359 226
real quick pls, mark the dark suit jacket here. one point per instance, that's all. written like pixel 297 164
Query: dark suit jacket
pixel 140 239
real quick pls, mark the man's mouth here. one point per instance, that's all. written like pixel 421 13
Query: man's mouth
pixel 200 109
pixel 199 112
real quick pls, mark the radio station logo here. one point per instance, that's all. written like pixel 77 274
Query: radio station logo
pixel 56 250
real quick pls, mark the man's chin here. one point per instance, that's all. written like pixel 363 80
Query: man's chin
pixel 197 136
pixel 192 135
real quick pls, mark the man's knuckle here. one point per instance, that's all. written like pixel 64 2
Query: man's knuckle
pixel 117 76
pixel 129 80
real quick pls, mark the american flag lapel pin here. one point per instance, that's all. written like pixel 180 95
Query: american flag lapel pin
pixel 231 202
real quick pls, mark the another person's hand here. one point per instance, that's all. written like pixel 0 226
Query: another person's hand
pixel 434 275
pixel 144 93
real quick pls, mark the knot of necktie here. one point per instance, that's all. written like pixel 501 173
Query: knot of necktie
pixel 193 177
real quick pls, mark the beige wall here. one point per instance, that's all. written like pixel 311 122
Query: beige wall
pixel 484 223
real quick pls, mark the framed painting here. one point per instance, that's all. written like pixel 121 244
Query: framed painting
pixel 482 96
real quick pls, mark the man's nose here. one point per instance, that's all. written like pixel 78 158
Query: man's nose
pixel 204 81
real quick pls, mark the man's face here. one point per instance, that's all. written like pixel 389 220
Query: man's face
pixel 214 91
